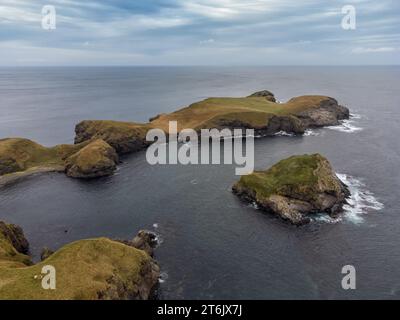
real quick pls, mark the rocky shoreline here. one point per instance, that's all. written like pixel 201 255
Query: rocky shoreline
pixel 292 189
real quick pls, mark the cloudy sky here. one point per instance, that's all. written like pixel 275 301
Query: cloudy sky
pixel 199 32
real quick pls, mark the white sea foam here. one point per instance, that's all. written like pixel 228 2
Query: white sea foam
pixel 361 201
pixel 348 125
pixel 310 132
pixel 254 205
pixel 163 277
pixel 284 134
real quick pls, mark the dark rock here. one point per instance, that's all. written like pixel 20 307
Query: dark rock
pixel 329 113
pixel 124 137
pixel 46 252
pixel 264 94
pixel 145 240
pixel 15 235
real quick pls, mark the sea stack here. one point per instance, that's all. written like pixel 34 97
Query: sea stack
pixel 295 188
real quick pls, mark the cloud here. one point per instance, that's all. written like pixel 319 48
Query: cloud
pixel 374 50
pixel 199 32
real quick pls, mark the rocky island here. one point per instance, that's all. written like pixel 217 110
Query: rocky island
pixel 93 269
pixel 294 188
pixel 99 142
pixel 258 111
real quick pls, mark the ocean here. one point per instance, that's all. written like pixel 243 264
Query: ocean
pixel 212 245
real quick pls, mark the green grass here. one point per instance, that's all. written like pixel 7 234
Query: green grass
pixel 254 111
pixel 97 153
pixel 297 174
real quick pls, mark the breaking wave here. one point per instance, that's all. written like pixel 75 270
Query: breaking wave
pixel 348 125
pixel 310 132
pixel 284 134
pixel 361 201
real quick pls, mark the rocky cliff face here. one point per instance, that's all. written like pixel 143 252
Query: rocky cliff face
pixel 94 269
pixel 328 113
pixel 295 188
pixel 124 137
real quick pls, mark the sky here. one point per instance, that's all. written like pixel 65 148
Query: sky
pixel 199 32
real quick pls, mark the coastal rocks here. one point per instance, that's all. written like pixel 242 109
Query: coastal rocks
pixel 15 236
pixel 13 247
pixel 294 188
pixel 289 124
pixel 264 94
pixel 327 113
pixel 146 241
pixel 46 252
pixel 124 137
pixel 265 125
pixel 97 159
pixel 94 269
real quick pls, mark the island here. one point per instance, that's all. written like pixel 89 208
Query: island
pixel 99 143
pixel 92 269
pixel 295 188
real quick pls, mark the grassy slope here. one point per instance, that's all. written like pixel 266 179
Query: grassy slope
pixel 83 269
pixel 9 256
pixel 96 153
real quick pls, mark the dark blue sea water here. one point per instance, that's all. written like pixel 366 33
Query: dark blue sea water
pixel 214 246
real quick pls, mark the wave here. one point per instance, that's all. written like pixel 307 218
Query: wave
pixel 348 125
pixel 310 132
pixel 163 277
pixel 360 202
pixel 284 134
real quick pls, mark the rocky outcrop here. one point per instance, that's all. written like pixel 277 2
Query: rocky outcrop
pixel 145 240
pixel 270 126
pixel 97 159
pixel 15 236
pixel 94 269
pixel 289 124
pixel 124 137
pixel 328 113
pixel 264 94
pixel 46 252
pixel 295 188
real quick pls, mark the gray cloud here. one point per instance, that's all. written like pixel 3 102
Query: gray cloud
pixel 202 32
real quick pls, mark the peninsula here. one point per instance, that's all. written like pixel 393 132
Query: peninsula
pixel 98 143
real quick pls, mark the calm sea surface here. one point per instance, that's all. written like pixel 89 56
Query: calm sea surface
pixel 213 245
